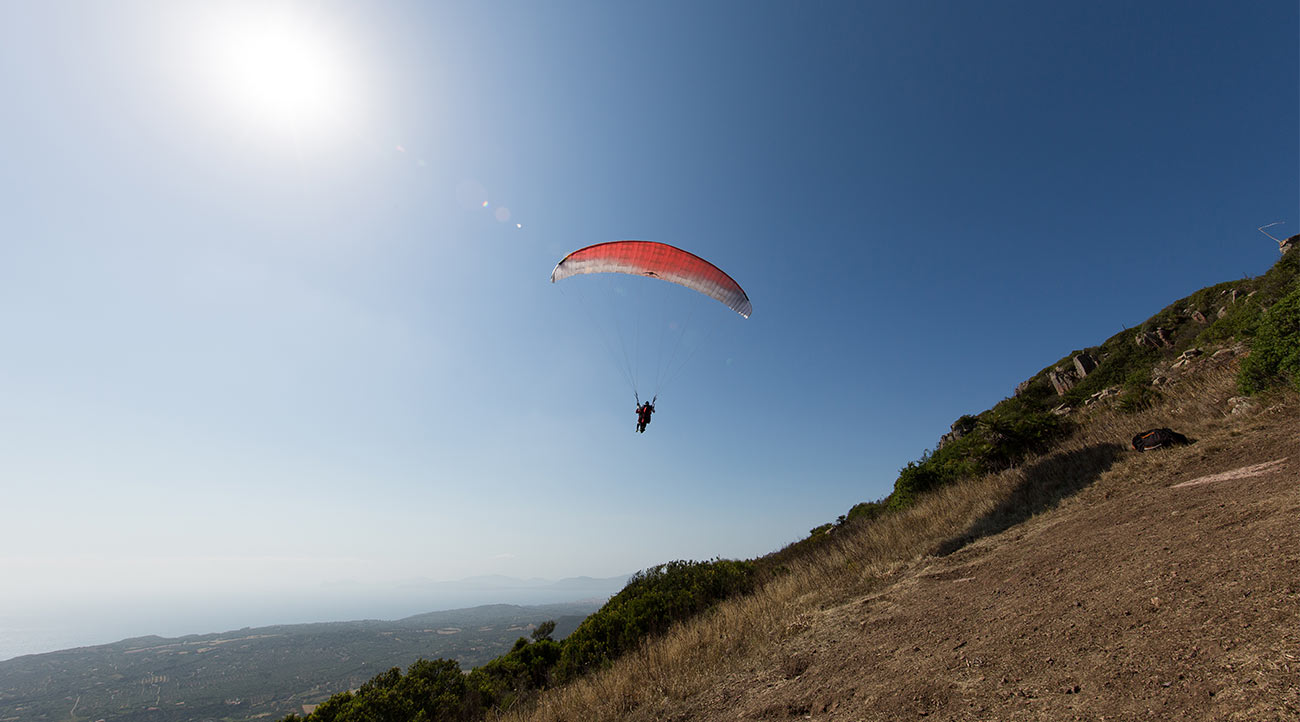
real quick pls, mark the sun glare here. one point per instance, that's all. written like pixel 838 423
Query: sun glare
pixel 282 73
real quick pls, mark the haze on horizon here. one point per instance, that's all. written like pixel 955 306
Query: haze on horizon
pixel 274 308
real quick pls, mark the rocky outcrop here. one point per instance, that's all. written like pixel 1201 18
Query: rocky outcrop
pixel 1085 364
pixel 959 428
pixel 1289 243
pixel 1225 355
pixel 1186 357
pixel 1194 359
pixel 1063 378
pixel 1108 393
pixel 1242 405
pixel 1158 338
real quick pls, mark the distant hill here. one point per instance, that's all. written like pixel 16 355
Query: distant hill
pixel 256 672
pixel 528 591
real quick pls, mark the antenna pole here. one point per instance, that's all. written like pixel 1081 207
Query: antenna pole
pixel 1275 223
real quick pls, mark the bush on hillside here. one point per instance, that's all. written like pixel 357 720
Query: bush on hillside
pixel 1001 437
pixel 437 691
pixel 652 601
pixel 915 479
pixel 1275 352
pixel 1139 394
pixel 522 671
pixel 866 511
pixel 430 691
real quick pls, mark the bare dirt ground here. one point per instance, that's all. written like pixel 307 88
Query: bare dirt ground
pixel 1168 588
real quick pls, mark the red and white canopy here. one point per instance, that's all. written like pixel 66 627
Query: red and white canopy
pixel 656 260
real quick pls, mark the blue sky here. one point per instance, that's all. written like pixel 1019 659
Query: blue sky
pixel 274 299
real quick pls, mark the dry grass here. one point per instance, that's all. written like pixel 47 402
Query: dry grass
pixel 740 634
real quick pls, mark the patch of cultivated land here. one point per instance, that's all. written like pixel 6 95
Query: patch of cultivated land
pixel 1094 583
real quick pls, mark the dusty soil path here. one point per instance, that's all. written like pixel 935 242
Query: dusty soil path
pixel 1167 589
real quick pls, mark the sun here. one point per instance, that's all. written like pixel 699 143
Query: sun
pixel 282 72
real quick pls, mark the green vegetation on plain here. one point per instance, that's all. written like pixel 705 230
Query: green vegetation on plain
pixel 254 673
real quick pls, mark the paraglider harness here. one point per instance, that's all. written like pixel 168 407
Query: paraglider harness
pixel 643 412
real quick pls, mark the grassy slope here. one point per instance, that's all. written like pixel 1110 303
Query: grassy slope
pixel 708 667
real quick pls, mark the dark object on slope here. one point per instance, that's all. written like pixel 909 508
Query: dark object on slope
pixel 1157 438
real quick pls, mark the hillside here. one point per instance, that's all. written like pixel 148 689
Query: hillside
pixel 1167 587
pixel 1034 565
pixel 1082 580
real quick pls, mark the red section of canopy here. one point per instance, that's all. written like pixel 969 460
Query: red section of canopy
pixel 656 260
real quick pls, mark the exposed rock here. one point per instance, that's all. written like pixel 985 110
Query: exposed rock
pixel 1062 379
pixel 1224 354
pixel 1223 311
pixel 1158 338
pixel 1062 410
pixel 1084 363
pixel 1199 317
pixel 1289 243
pixel 1186 357
pixel 1022 386
pixel 959 428
pixel 1103 394
pixel 1242 405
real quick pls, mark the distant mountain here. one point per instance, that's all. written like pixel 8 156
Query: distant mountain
pixel 606 586
pixel 259 671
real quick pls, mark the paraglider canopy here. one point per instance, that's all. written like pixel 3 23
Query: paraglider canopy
pixel 656 260
pixel 654 335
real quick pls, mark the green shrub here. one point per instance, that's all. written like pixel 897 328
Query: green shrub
pixel 1014 429
pixel 1000 438
pixel 866 510
pixel 430 691
pixel 1121 358
pixel 652 601
pixel 1275 351
pixel 914 479
pixel 526 668
pixel 1139 394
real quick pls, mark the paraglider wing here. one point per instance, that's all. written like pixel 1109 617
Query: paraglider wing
pixel 656 260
